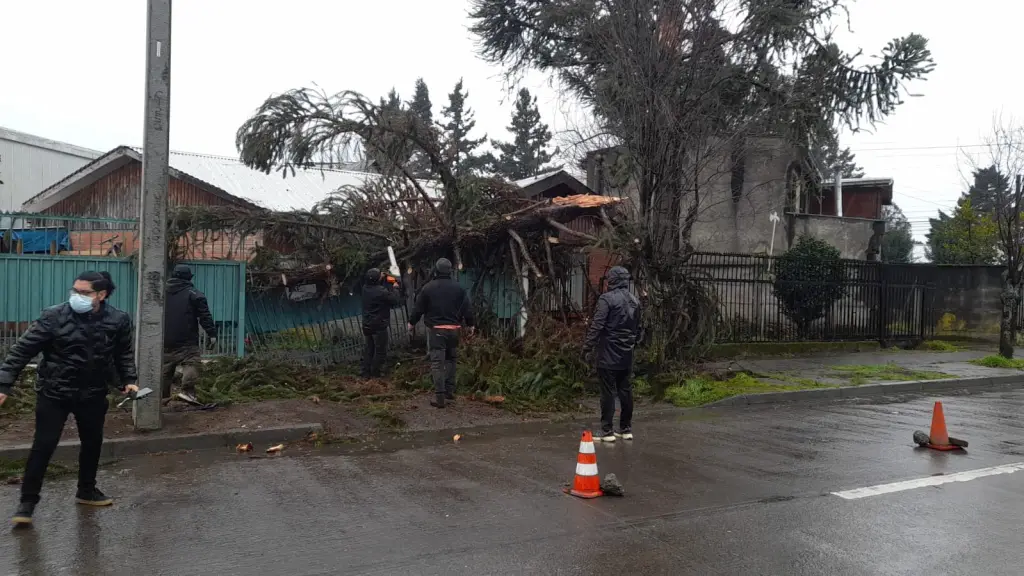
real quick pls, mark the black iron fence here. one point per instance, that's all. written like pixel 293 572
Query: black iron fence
pixel 844 300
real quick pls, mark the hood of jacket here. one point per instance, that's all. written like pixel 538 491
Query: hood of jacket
pixel 177 285
pixel 618 277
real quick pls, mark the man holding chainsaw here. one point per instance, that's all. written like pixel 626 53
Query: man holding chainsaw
pixel 445 309
pixel 379 297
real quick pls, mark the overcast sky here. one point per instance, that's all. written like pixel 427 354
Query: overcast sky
pixel 74 71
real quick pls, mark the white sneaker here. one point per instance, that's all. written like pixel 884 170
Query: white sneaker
pixel 604 437
pixel 624 435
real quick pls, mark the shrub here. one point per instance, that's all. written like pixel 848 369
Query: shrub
pixel 809 279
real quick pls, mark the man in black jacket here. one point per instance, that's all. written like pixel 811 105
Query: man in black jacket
pixel 86 345
pixel 379 297
pixel 186 310
pixel 445 309
pixel 614 333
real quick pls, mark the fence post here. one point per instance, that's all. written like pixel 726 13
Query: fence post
pixel 883 304
pixel 240 331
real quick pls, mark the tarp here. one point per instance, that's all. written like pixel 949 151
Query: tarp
pixel 37 240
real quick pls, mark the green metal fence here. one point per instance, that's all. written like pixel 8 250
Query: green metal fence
pixel 31 282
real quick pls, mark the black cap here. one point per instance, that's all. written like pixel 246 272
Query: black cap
pixel 182 271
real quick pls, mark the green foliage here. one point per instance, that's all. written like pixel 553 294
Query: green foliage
pixel 831 158
pixel 859 374
pixel 898 242
pixel 939 346
pixel 420 105
pixel 233 380
pixel 545 371
pixel 999 362
pixel 459 148
pixel 700 390
pixel 15 468
pixel 809 279
pixel 527 154
pixel 967 237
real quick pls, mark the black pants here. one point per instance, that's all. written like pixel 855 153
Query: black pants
pixel 443 345
pixel 375 352
pixel 50 418
pixel 616 383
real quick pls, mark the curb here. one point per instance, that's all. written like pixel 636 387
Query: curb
pixel 134 446
pixel 868 390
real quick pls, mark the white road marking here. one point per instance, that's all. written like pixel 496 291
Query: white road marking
pixel 928 481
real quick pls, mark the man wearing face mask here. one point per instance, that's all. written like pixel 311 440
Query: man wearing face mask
pixel 84 343
pixel 186 311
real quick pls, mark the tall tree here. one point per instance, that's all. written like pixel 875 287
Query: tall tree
pixel 988 189
pixel 388 153
pixel 681 84
pixel 999 189
pixel 831 157
pixel 527 154
pixel 458 123
pixel 965 237
pixel 898 242
pixel 420 105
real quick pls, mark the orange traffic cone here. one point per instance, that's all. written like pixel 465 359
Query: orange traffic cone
pixel 586 484
pixel 938 437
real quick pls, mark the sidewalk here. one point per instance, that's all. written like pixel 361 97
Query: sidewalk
pixel 824 368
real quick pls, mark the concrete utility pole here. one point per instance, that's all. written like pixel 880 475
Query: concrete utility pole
pixel 149 331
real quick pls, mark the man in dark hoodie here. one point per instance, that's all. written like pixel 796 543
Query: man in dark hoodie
pixel 186 310
pixel 614 333
pixel 445 309
pixel 379 297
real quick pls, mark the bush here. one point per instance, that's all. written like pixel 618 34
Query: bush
pixel 809 279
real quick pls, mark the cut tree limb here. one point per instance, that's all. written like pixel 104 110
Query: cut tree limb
pixel 563 228
pixel 526 254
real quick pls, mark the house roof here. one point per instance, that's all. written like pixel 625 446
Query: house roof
pixel 46 143
pixel 225 177
pixel 537 185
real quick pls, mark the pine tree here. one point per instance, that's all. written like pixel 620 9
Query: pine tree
pixel 420 105
pixel 898 242
pixel 458 124
pixel 527 155
pixel 390 153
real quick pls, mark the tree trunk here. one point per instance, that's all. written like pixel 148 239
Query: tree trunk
pixel 1007 328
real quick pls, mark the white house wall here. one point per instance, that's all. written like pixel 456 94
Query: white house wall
pixel 29 164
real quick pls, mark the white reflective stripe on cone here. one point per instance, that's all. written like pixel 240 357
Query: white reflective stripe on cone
pixel 587 448
pixel 586 469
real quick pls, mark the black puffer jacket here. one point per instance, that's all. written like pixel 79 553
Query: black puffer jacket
pixel 378 300
pixel 83 354
pixel 615 329
pixel 187 309
pixel 442 302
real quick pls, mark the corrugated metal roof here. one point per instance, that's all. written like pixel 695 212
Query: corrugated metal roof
pixel 299 191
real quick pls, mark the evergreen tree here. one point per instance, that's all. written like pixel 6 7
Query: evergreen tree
pixel 420 105
pixel 389 153
pixel 988 188
pixel 968 236
pixel 458 123
pixel 831 157
pixel 898 242
pixel 527 154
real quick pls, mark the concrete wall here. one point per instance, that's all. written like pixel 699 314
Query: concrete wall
pixel 850 235
pixel 734 207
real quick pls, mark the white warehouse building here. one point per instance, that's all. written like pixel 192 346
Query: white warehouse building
pixel 29 164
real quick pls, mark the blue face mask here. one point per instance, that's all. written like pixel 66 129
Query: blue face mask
pixel 80 304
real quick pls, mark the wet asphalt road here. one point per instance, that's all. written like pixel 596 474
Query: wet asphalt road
pixel 728 492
